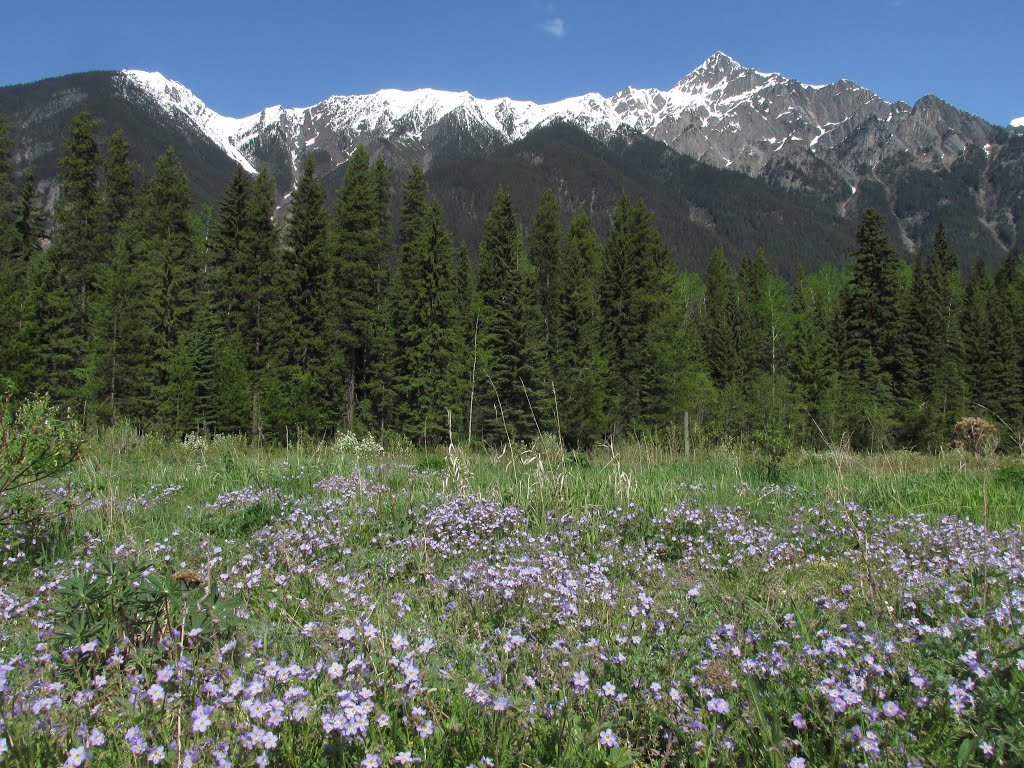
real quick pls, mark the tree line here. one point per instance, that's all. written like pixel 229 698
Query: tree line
pixel 137 308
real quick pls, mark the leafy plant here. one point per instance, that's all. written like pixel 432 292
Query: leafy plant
pixel 771 445
pixel 131 601
pixel 36 442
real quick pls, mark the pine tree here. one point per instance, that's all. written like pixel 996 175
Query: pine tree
pixel 874 350
pixel 80 248
pixel 635 294
pixel 513 383
pixel 356 252
pixel 428 371
pixel 812 363
pixel 579 368
pixel 228 272
pixel 306 349
pixel 544 246
pixel 11 262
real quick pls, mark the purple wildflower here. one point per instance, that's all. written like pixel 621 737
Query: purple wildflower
pixel 607 738
pixel 719 706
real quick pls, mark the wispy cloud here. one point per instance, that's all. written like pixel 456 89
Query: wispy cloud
pixel 555 26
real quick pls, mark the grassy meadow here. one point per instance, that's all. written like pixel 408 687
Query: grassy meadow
pixel 212 603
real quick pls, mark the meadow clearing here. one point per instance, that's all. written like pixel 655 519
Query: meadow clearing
pixel 212 603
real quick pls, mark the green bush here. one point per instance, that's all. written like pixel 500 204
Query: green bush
pixel 36 442
pixel 134 602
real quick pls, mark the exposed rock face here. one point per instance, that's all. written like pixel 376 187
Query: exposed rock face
pixel 722 113
pixel 839 141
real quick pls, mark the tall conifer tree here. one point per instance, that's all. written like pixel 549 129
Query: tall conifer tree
pixel 579 366
pixel 357 250
pixel 430 347
pixel 166 253
pixel 544 247
pixel 79 250
pixel 306 348
pixel 513 384
pixel 635 294
pixel 874 350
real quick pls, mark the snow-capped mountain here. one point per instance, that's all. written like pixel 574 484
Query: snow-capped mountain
pixel 722 113
pixel 1018 123
pixel 819 154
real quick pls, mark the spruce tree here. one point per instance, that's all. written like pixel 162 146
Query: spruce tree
pixel 812 363
pixel 719 321
pixel 946 396
pixel 992 359
pixel 1010 287
pixel 579 367
pixel 21 246
pixel 118 186
pixel 169 253
pixel 763 334
pixel 544 246
pixel 232 396
pixel 691 392
pixel 719 335
pixel 635 296
pixel 306 347
pixel 8 234
pixel 50 359
pixel 120 377
pixel 11 262
pixel 264 316
pixel 513 383
pixel 29 219
pixel 428 375
pixel 79 248
pixel 228 272
pixel 874 350
pixel 356 252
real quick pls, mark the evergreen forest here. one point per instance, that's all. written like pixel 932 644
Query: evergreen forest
pixel 368 316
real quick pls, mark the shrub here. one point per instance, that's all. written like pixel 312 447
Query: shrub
pixel 36 442
pixel 975 435
pixel 348 444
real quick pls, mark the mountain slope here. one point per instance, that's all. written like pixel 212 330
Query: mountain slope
pixel 41 112
pixel 823 150
pixel 833 140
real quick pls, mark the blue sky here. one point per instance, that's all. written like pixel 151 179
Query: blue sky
pixel 240 57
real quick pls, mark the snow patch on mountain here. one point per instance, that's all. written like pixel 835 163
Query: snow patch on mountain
pixel 709 95
pixel 722 113
pixel 175 98
pixel 1018 123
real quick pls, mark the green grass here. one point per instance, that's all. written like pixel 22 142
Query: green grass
pixel 677 565
pixel 989 491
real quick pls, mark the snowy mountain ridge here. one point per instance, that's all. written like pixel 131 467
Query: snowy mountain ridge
pixel 714 98
pixel 837 141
